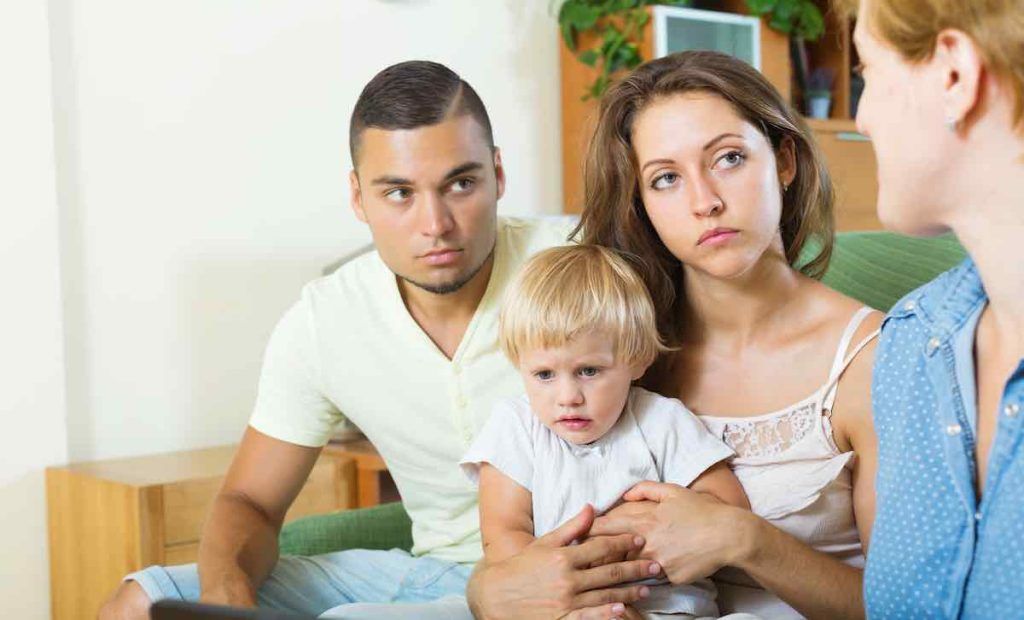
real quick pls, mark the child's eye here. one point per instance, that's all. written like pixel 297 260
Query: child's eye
pixel 589 371
pixel 544 375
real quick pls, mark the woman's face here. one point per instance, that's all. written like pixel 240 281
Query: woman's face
pixel 901 111
pixel 710 183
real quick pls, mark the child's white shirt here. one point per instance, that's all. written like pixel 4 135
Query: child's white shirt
pixel 656 438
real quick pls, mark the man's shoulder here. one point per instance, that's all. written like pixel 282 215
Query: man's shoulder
pixel 358 277
pixel 529 235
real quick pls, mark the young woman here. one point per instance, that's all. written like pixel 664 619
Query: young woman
pixel 943 107
pixel 701 170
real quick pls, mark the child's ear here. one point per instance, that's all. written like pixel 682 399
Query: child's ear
pixel 638 370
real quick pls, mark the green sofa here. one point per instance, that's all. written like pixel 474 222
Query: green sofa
pixel 878 268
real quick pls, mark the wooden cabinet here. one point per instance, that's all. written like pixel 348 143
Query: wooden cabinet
pixel 110 518
pixel 849 155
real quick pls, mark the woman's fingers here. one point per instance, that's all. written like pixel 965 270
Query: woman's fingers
pixel 651 491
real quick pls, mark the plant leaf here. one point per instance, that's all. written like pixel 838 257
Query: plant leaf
pixel 589 57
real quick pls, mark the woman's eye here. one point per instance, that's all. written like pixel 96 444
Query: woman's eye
pixel 732 159
pixel 462 186
pixel 543 375
pixel 664 181
pixel 589 371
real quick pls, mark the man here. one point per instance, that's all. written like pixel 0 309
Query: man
pixel 402 341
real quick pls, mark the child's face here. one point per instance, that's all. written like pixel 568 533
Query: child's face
pixel 580 389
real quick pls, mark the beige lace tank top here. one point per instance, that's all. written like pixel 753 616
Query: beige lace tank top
pixel 796 478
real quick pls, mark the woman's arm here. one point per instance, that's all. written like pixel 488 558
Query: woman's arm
pixel 692 535
pixel 506 514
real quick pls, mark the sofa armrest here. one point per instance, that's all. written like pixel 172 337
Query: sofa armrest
pixel 381 527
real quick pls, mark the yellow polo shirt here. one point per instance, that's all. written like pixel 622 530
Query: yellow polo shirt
pixel 350 346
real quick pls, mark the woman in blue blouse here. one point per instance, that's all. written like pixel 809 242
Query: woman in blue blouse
pixel 944 107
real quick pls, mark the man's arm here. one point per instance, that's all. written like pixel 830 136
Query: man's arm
pixel 238 547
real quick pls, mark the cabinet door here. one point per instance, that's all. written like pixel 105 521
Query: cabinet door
pixel 851 161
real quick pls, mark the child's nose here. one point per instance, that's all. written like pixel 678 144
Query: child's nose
pixel 569 394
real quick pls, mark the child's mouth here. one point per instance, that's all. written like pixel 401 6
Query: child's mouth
pixel 575 424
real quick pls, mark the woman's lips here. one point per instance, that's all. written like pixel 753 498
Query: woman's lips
pixel 717 236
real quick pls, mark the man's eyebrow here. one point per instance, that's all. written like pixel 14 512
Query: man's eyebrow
pixel 454 172
pixel 470 166
pixel 386 180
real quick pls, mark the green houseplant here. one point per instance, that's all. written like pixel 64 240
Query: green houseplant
pixel 619 23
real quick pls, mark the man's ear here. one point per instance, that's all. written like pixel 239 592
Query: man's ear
pixel 499 172
pixel 785 160
pixel 356 196
pixel 961 65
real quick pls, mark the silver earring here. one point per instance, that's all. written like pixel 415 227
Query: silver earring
pixel 951 123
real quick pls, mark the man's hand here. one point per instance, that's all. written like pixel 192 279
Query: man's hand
pixel 551 578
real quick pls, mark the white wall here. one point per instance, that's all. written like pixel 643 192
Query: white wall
pixel 202 152
pixel 170 175
pixel 31 340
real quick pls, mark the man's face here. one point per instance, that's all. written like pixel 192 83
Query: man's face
pixel 429 196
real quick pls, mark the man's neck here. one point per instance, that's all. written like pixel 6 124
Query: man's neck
pixel 445 317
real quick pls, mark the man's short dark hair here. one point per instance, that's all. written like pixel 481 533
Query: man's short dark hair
pixel 413 94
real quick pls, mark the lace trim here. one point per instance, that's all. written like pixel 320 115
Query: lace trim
pixel 770 437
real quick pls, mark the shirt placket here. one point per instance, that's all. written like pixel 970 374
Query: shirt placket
pixel 958 446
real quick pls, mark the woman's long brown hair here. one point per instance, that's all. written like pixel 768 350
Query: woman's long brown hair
pixel 614 215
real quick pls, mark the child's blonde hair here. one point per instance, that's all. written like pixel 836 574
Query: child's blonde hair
pixel 566 291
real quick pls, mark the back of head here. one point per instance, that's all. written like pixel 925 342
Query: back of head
pixel 912 28
pixel 413 94
pixel 614 213
pixel 567 291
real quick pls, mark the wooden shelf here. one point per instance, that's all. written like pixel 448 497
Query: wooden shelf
pixel 849 155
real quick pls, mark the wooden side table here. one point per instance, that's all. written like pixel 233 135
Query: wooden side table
pixel 111 518
pixel 373 482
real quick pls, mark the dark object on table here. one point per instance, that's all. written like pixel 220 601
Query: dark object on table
pixel 180 610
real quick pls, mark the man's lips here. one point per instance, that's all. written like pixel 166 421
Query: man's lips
pixel 717 235
pixel 442 257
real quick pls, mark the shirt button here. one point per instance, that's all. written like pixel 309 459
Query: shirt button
pixel 933 344
pixel 1011 410
pixel 953 430
pixel 910 305
pixel 977 516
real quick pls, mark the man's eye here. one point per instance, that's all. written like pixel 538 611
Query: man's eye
pixel 589 371
pixel 462 186
pixel 399 194
pixel 543 375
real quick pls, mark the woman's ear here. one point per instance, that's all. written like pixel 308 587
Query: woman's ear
pixel 785 161
pixel 961 64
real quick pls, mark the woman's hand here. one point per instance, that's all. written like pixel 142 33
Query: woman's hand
pixel 691 535
pixel 551 578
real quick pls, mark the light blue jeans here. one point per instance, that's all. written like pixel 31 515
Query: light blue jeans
pixel 357 583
